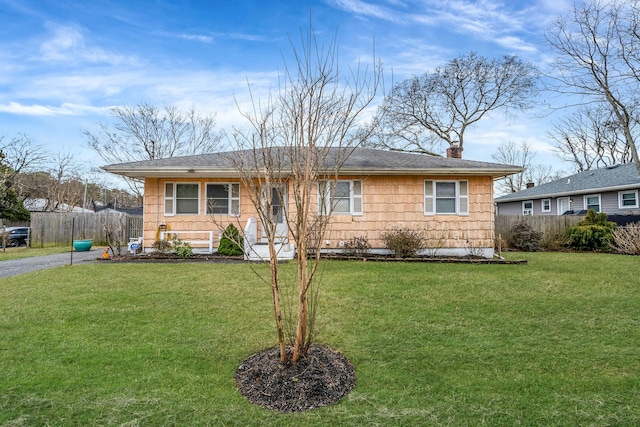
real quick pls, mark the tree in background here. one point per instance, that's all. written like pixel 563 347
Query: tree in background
pixel 146 132
pixel 438 107
pixel 597 59
pixel 297 142
pixel 591 138
pixel 510 153
pixel 20 154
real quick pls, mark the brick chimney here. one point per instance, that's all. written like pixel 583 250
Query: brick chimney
pixel 454 151
pixel 530 185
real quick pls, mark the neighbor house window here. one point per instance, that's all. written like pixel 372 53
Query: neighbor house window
pixel 527 207
pixel 628 199
pixel 223 199
pixel 446 197
pixel 592 202
pixel 345 197
pixel 545 205
pixel 181 198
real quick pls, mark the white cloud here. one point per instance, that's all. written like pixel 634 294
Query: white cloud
pixel 65 109
pixel 67 43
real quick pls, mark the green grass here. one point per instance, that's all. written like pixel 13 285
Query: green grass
pixel 552 342
pixel 25 252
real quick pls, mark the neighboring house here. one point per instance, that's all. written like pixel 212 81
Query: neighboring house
pixel 451 199
pixel 613 190
pixel 42 205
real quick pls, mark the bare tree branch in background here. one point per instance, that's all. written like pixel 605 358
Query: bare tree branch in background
pixel 438 107
pixel 521 155
pixel 597 50
pixel 146 132
pixel 20 154
pixel 591 138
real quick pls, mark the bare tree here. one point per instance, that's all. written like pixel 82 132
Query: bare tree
pixel 296 143
pixel 591 138
pixel 511 153
pixel 20 154
pixel 597 50
pixel 438 107
pixel 146 132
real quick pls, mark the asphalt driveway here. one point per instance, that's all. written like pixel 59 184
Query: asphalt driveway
pixel 26 265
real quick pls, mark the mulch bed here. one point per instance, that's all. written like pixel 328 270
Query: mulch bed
pixel 321 378
pixel 172 257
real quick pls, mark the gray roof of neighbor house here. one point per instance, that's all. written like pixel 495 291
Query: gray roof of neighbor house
pixel 361 161
pixel 612 178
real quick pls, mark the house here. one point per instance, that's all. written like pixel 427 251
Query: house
pixel 449 198
pixel 613 190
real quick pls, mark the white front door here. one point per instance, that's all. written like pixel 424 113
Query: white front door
pixel 564 204
pixel 275 200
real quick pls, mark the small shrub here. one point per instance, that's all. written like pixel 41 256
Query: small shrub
pixel 357 246
pixel 231 243
pixel 593 233
pixel 626 240
pixel 524 238
pixel 403 242
pixel 162 246
pixel 183 249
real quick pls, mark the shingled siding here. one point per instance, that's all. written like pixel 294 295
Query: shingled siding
pixel 387 201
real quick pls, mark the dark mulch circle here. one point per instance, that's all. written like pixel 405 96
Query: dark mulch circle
pixel 323 377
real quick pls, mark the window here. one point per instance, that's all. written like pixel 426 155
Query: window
pixel 446 197
pixel 344 196
pixel 223 199
pixel 628 199
pixel 527 207
pixel 181 198
pixel 592 202
pixel 545 205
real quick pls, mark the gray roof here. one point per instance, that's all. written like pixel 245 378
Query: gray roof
pixel 361 161
pixel 612 178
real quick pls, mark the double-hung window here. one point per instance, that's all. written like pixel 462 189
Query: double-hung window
pixel 181 198
pixel 592 202
pixel 545 205
pixel 628 199
pixel 340 197
pixel 223 199
pixel 446 197
pixel 527 207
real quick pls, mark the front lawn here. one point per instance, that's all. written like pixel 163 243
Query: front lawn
pixel 552 342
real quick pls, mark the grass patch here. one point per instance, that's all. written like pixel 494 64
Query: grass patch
pixel 552 342
pixel 25 252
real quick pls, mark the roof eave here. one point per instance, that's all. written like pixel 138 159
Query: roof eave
pixel 182 172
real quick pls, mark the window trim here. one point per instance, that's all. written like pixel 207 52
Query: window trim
pixel 542 208
pixel 620 200
pixel 230 198
pixel 461 200
pixel 586 197
pixel 524 210
pixel 174 198
pixel 324 200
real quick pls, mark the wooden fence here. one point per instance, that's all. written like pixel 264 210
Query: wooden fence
pixel 552 227
pixel 55 229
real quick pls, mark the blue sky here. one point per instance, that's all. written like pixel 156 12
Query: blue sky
pixel 64 63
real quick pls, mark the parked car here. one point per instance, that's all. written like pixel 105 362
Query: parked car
pixel 16 236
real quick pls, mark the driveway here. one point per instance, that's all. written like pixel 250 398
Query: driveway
pixel 15 267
